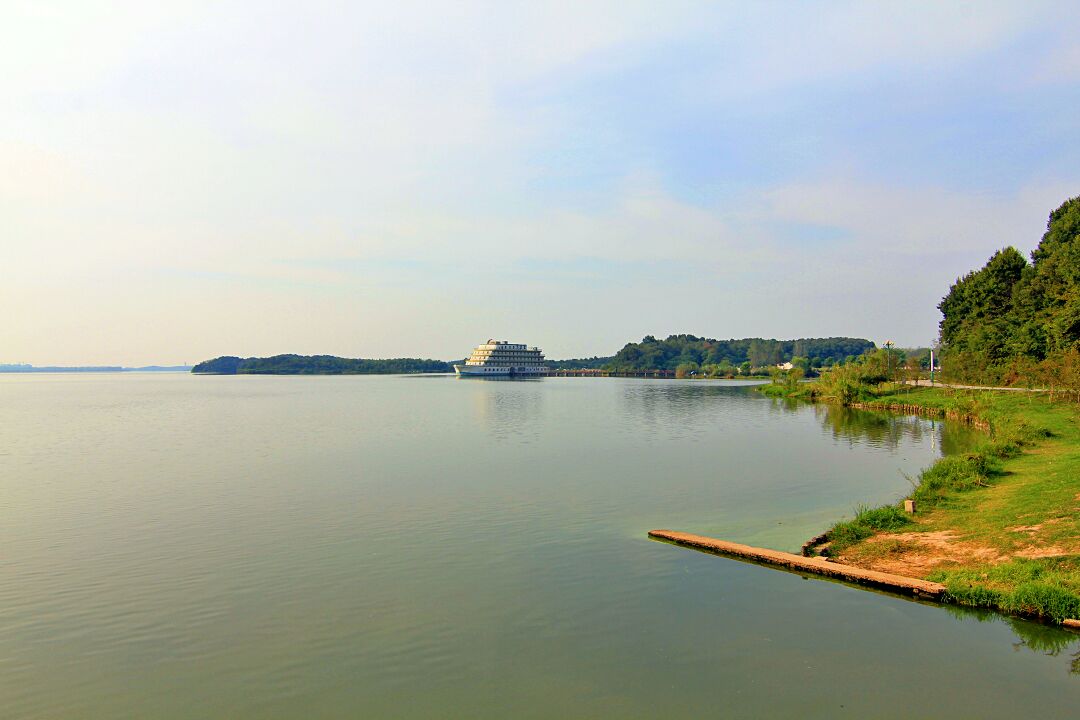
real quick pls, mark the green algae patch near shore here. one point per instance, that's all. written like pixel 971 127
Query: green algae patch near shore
pixel 998 526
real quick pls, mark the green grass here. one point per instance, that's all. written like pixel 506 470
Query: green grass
pixel 799 391
pixel 1047 588
pixel 1018 491
pixel 954 474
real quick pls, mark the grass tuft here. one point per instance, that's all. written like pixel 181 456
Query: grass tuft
pixel 955 473
pixel 867 521
pixel 1046 588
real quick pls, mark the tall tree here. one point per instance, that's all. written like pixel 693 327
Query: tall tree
pixel 1009 314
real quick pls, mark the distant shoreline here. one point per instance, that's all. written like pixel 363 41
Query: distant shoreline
pixel 27 369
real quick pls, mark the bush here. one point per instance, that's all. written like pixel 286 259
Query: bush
pixel 887 517
pixel 686 369
pixel 854 381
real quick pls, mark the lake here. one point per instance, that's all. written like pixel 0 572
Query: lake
pixel 177 546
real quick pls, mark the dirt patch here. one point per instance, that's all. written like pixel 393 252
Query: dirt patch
pixel 1042 542
pixel 917 554
pixel 1052 551
pixel 1032 529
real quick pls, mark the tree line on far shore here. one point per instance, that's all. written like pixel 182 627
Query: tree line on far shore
pixel 692 355
pixel 683 354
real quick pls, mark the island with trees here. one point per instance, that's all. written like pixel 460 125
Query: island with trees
pixel 317 365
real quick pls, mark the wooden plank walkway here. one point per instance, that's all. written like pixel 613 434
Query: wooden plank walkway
pixel 798 563
pixel 597 372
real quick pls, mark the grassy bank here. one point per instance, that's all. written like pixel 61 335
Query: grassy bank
pixel 1000 525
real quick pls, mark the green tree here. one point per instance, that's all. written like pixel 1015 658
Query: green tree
pixel 759 353
pixel 977 313
pixel 998 320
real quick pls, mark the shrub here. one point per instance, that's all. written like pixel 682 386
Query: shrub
pixel 887 517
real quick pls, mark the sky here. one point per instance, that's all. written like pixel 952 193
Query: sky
pixel 185 180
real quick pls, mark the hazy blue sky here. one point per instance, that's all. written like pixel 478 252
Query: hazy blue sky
pixel 186 180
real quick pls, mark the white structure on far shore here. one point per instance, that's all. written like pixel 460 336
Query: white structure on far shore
pixel 500 358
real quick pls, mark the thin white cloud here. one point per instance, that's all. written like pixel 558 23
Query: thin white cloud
pixel 924 221
pixel 792 45
pixel 163 160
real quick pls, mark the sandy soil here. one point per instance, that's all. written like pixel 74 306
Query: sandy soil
pixel 916 554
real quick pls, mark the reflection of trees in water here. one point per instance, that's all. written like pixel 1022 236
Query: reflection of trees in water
pixel 883 429
pixel 1036 637
pixel 1046 640
pixel 688 405
pixel 681 407
pixel 957 437
pixel 877 429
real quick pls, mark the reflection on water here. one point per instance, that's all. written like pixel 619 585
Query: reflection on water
pixel 881 429
pixel 683 407
pixel 1035 637
pixel 1046 640
pixel 512 412
pixel 889 429
pixel 281 547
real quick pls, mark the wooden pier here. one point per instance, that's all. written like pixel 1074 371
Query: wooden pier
pixel 596 372
pixel 799 564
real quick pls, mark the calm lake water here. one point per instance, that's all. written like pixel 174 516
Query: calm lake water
pixel 282 547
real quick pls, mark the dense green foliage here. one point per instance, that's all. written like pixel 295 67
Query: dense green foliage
pixel 318 365
pixel 723 357
pixel 854 381
pixel 1018 322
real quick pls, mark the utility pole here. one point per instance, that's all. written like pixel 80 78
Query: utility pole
pixel 931 366
pixel 888 348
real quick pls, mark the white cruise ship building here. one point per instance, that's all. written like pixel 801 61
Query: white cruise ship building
pixel 501 358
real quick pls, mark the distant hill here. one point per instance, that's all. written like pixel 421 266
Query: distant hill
pixel 24 368
pixel 317 365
